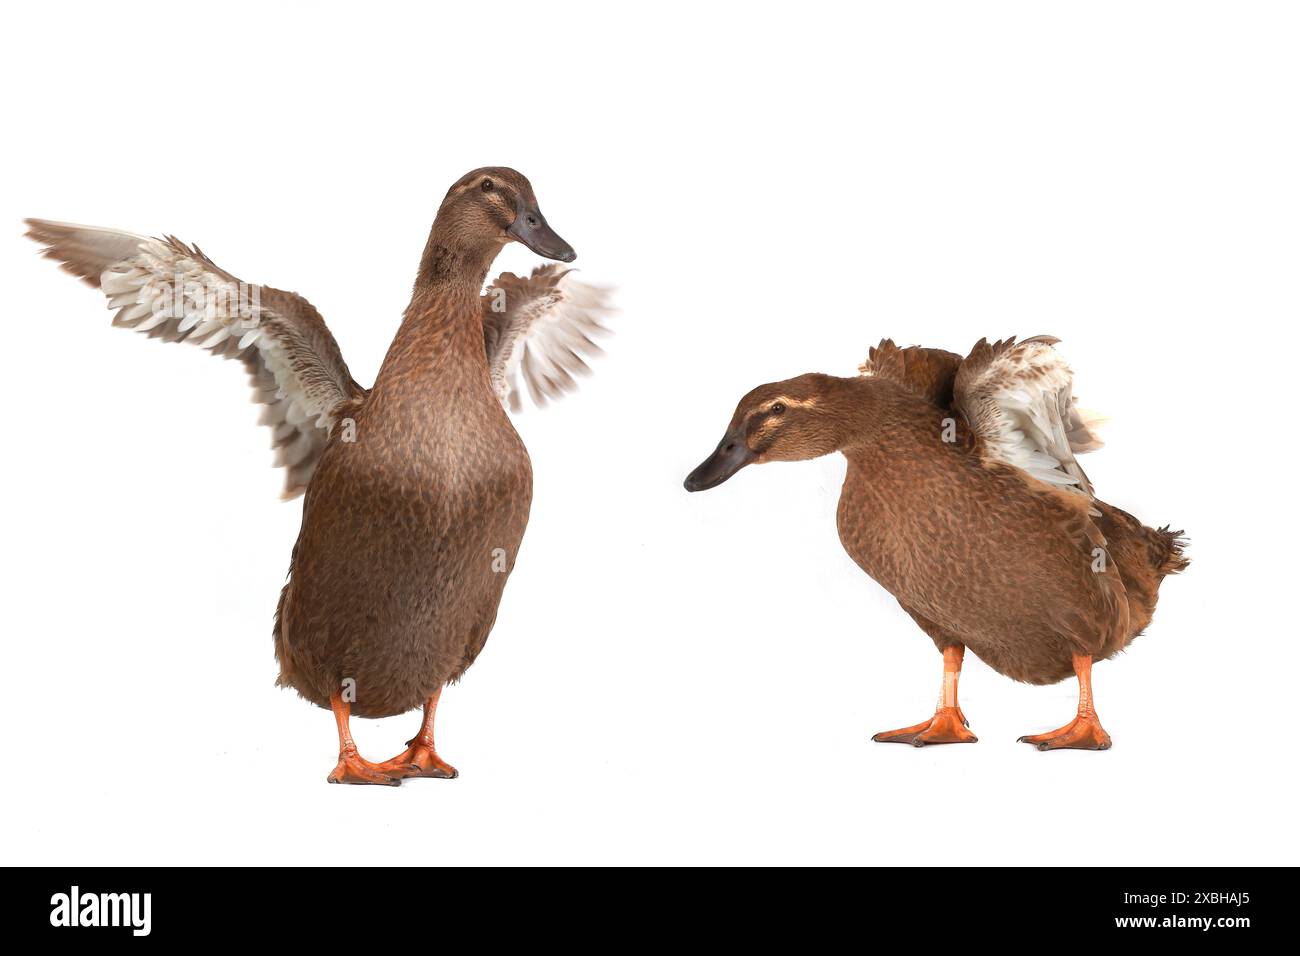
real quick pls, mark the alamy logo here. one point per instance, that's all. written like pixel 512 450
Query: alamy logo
pixel 101 909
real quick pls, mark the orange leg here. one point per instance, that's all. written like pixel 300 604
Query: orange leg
pixel 1085 731
pixel 948 725
pixel 351 768
pixel 420 759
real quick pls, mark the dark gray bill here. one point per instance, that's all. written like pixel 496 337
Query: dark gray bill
pixel 732 455
pixel 531 229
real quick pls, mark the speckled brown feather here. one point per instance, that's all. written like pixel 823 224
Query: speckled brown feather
pixel 928 373
pixel 986 556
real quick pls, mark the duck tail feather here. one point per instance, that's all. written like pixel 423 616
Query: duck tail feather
pixel 1171 545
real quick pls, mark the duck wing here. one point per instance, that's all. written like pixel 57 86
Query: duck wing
pixel 542 328
pixel 1017 398
pixel 174 292
pixel 928 373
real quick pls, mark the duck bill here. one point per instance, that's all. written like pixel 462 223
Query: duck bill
pixel 731 456
pixel 530 228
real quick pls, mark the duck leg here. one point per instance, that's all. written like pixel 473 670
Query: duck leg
pixel 948 725
pixel 420 759
pixel 352 768
pixel 1085 731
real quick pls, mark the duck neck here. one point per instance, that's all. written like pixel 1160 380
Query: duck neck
pixel 439 346
pixel 450 256
pixel 886 422
pixel 854 409
pixel 871 410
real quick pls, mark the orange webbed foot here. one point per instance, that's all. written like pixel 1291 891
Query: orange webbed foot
pixel 419 760
pixel 1082 733
pixel 947 726
pixel 351 768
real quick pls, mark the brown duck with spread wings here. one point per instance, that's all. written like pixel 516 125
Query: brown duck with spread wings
pixel 418 490
pixel 963 498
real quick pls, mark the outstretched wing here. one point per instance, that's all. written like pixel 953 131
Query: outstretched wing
pixel 542 327
pixel 175 293
pixel 929 373
pixel 1017 398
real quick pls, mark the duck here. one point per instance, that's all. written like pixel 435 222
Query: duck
pixel 964 499
pixel 417 491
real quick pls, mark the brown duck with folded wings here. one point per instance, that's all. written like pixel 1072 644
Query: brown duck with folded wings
pixel 418 490
pixel 964 500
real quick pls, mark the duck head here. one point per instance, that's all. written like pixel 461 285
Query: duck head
pixel 496 205
pixel 794 420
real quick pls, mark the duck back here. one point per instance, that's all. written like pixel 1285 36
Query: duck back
pixel 1020 573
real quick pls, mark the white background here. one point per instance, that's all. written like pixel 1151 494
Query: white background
pixel 672 678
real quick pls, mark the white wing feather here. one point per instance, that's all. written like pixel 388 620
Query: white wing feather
pixel 542 329
pixel 1017 397
pixel 170 291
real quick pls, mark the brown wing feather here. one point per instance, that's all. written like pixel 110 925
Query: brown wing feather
pixel 929 373
pixel 174 292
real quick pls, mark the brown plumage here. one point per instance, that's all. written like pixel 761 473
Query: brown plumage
pixel 418 490
pixel 963 499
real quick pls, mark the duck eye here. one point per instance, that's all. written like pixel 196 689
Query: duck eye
pixel 778 409
pixel 488 185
